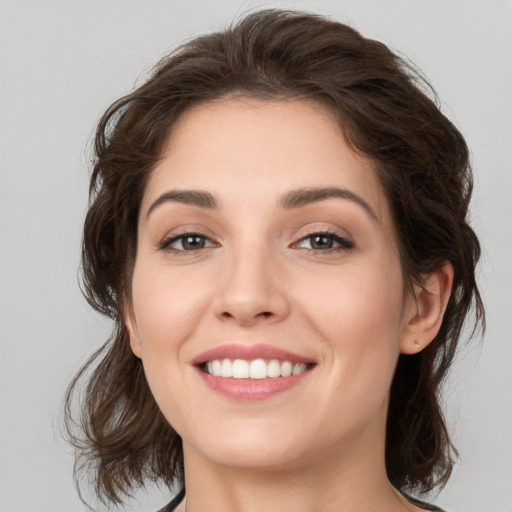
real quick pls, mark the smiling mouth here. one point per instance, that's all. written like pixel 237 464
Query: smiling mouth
pixel 254 369
pixel 247 373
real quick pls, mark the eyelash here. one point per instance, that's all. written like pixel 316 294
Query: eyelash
pixel 344 244
pixel 165 244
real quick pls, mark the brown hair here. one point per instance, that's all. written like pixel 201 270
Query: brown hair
pixel 385 112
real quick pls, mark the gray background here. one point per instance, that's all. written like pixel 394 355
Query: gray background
pixel 63 62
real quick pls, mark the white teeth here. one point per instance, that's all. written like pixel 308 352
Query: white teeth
pixel 274 368
pixel 240 369
pixel 226 369
pixel 299 368
pixel 286 369
pixel 216 368
pixel 256 369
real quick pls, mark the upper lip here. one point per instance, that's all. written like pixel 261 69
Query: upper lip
pixel 249 353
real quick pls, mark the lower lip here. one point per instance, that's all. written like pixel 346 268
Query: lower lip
pixel 251 389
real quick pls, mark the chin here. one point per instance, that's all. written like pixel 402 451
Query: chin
pixel 256 448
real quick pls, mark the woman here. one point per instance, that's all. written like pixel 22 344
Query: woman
pixel 278 229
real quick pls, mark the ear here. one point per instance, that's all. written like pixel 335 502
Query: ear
pixel 133 331
pixel 425 311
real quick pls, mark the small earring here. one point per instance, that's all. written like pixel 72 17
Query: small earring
pixel 416 344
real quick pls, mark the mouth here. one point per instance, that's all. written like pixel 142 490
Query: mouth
pixel 250 372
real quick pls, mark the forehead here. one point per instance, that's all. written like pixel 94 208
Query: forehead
pixel 247 150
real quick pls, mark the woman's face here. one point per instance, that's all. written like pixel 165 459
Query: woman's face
pixel 266 247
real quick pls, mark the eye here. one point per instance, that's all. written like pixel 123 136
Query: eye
pixel 324 241
pixel 187 242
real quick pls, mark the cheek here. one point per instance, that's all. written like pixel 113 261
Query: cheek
pixel 166 313
pixel 367 300
pixel 167 308
pixel 357 314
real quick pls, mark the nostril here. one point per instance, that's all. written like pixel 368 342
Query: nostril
pixel 263 314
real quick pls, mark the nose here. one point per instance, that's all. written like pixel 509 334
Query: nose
pixel 251 290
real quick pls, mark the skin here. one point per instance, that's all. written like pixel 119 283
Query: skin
pixel 260 279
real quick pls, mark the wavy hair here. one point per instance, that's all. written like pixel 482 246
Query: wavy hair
pixel 387 112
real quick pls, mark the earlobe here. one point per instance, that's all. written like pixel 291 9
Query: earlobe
pixel 426 310
pixel 133 332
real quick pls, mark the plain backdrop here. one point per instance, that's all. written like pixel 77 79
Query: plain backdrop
pixel 63 62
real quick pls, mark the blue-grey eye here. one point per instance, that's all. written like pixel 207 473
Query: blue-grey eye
pixel 192 242
pixel 321 242
pixel 187 242
pixel 324 242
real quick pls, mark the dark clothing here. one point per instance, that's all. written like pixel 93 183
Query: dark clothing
pixel 422 504
pixel 174 503
pixel 177 500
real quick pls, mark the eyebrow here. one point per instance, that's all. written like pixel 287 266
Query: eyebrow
pixel 192 197
pixel 293 199
pixel 304 196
